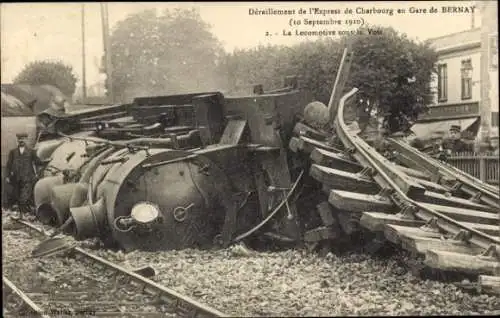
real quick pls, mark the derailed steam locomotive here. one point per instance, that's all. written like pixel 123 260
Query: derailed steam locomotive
pixel 172 172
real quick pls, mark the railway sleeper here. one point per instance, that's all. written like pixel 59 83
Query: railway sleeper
pixel 441 199
pixel 357 202
pixel 347 181
pixel 334 160
pixel 488 284
pixel 460 262
pixel 395 233
pixel 464 215
pixel 431 186
pixel 417 174
pixel 420 245
pixel 375 221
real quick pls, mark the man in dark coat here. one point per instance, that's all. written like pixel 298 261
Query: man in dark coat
pixel 455 144
pixel 21 173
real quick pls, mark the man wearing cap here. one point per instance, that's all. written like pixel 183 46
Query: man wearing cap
pixel 21 173
pixel 454 143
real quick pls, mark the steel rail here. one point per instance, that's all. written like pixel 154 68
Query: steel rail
pixel 35 310
pixel 467 183
pixel 478 182
pixel 474 180
pixel 373 161
pixel 171 297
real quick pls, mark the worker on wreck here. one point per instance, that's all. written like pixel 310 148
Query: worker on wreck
pixel 21 172
pixel 454 143
pixel 435 147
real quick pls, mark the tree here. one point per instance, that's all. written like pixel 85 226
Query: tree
pixel 394 73
pixel 57 74
pixel 391 71
pixel 163 54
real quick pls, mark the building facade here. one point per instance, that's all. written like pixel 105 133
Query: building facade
pixel 466 83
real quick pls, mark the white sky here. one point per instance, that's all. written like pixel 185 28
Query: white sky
pixel 40 31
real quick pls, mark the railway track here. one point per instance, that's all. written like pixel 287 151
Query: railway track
pixel 439 214
pixel 88 285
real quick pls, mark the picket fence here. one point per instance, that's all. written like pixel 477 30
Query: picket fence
pixel 484 166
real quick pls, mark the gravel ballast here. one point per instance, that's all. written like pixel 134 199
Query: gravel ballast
pixel 240 282
pixel 297 283
pixel 65 286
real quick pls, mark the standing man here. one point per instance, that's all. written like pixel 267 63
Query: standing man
pixel 21 173
pixel 455 143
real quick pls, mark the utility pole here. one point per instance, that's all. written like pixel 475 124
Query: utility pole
pixel 84 78
pixel 472 17
pixel 107 50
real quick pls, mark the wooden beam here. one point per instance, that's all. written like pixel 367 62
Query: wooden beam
pixel 334 160
pixel 493 230
pixel 488 284
pixel 376 221
pixel 357 202
pixel 431 186
pixel 413 160
pixel 452 261
pixel 421 245
pixel 465 215
pixel 339 179
pixel 395 233
pixel 414 173
pixel 441 199
pixel 404 160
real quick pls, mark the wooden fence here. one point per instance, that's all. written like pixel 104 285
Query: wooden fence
pixel 484 166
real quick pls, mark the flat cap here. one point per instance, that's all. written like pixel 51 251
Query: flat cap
pixel 22 135
pixel 455 128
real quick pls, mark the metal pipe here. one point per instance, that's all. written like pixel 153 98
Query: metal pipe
pixel 136 141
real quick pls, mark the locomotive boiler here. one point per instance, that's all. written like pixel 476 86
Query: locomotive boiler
pixel 178 171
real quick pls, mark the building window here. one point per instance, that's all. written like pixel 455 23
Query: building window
pixel 466 72
pixel 442 83
pixel 494 119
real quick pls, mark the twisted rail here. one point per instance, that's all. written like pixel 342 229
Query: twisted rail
pixel 401 187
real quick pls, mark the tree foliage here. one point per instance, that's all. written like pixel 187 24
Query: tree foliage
pixel 391 71
pixel 173 52
pixel 57 74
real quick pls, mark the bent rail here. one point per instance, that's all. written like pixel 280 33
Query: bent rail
pixel 401 188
